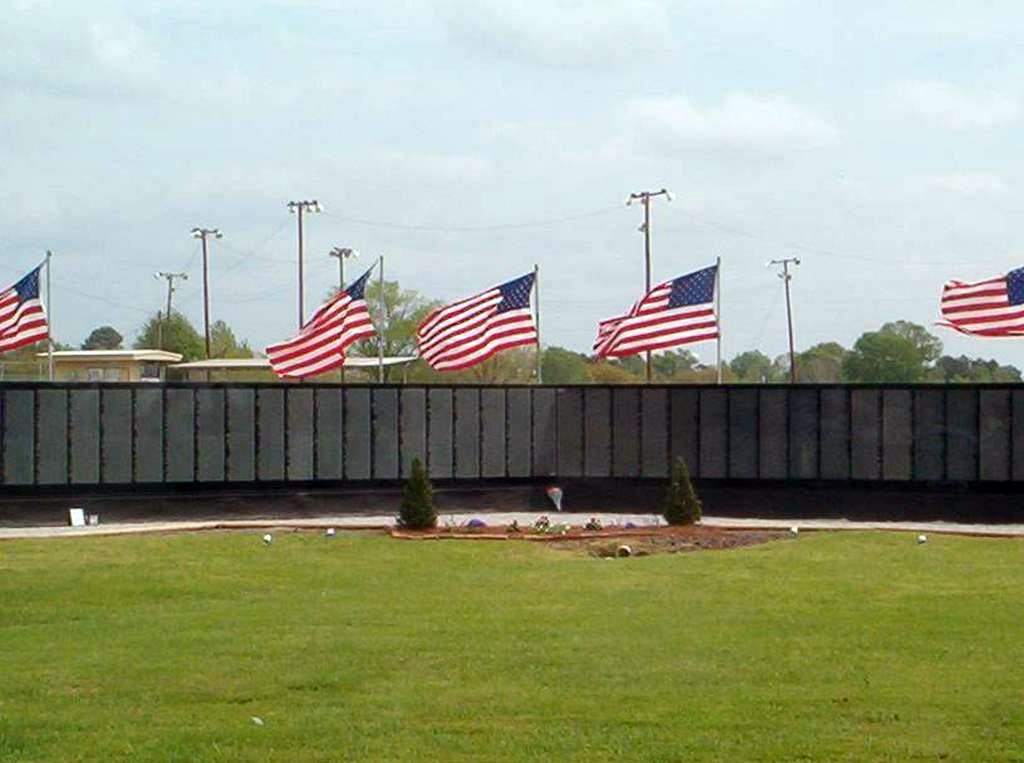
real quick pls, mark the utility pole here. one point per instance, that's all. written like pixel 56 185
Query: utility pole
pixel 170 291
pixel 49 318
pixel 786 277
pixel 342 253
pixel 644 197
pixel 382 327
pixel 204 234
pixel 300 208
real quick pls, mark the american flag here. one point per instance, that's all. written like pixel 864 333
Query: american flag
pixel 676 312
pixel 993 307
pixel 22 318
pixel 471 330
pixel 321 343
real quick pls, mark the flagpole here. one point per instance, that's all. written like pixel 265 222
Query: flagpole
pixel 380 329
pixel 49 315
pixel 536 318
pixel 718 312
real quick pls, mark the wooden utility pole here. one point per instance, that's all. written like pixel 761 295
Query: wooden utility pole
pixel 170 291
pixel 49 318
pixel 204 234
pixel 536 321
pixel 644 197
pixel 786 277
pixel 299 208
pixel 342 253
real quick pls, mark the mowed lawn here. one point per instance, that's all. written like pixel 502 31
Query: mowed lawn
pixel 855 647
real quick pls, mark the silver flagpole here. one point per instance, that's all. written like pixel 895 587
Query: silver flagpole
pixel 380 329
pixel 536 317
pixel 718 312
pixel 49 315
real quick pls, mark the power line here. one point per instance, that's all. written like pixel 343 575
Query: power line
pixel 472 228
pixel 810 249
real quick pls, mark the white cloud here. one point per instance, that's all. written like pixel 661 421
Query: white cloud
pixel 945 105
pixel 742 121
pixel 98 56
pixel 562 33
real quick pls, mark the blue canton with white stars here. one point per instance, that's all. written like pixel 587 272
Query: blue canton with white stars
pixel 694 289
pixel 358 287
pixel 515 294
pixel 28 287
pixel 1015 286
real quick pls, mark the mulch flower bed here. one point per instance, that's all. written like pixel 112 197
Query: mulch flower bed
pixel 602 541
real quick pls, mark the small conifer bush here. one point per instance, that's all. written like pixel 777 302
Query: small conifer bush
pixel 682 506
pixel 418 511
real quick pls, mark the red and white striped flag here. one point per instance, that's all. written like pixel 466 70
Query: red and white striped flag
pixel 471 330
pixel 321 343
pixel 22 317
pixel 990 308
pixel 681 311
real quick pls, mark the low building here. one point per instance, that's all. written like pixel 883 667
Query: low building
pixel 110 365
pixel 258 369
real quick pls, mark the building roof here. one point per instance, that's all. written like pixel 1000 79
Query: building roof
pixel 227 364
pixel 90 356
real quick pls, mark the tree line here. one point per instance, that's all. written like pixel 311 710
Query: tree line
pixel 899 351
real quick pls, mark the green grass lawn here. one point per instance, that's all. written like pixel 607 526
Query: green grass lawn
pixel 853 647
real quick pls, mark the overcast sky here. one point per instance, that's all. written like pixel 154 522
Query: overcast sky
pixel 879 142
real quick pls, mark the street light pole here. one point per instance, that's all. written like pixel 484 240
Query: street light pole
pixel 300 208
pixel 204 234
pixel 786 277
pixel 644 197
pixel 342 253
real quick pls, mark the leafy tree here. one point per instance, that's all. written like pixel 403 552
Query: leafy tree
pixel 223 343
pixel 682 506
pixel 562 366
pixel 884 356
pixel 965 369
pixel 417 510
pixel 103 338
pixel 179 335
pixel 927 344
pixel 752 366
pixel 821 363
pixel 705 375
pixel 403 310
pixel 634 364
pixel 670 364
pixel 612 372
